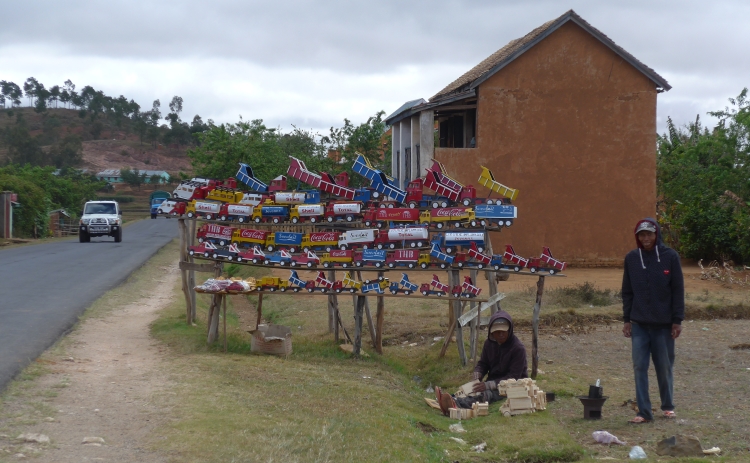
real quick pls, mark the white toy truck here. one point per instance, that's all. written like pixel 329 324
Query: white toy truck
pixel 100 218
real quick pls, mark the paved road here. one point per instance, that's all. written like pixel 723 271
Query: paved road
pixel 45 287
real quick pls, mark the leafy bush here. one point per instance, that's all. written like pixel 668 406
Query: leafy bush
pixel 584 294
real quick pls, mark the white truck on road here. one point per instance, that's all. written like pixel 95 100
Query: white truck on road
pixel 100 218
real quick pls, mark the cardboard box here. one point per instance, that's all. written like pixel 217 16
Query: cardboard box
pixel 272 339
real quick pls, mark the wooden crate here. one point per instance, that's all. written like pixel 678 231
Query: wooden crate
pixel 272 339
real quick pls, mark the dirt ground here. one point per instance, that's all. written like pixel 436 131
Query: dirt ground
pixel 109 382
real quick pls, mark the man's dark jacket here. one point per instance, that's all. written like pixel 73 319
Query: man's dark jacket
pixel 653 291
pixel 502 361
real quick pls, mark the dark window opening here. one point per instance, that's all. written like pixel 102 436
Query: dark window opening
pixel 398 164
pixel 407 164
pixel 419 164
pixel 457 129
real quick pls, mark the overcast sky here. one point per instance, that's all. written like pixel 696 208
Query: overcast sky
pixel 314 63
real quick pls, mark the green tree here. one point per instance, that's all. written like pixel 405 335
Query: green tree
pixel 155 180
pixel 703 180
pixel 67 153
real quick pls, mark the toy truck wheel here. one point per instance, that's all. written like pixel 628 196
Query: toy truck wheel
pixel 329 219
pixel 272 288
pixel 467 202
pixel 412 244
pixel 490 201
pixel 266 262
pixel 424 265
pixel 190 215
pixel 391 265
pixel 533 269
pixel 412 204
pixel 323 290
pixel 206 255
pixel 358 264
pixel 191 252
pixel 241 219
pixel 551 271
pixel 391 206
pixel 420 244
pixel 352 290
pixel 282 289
pixel 209 216
pixel 508 223
pixel 338 290
pixel 295 220
pixel 257 220
pixel 440 294
pixel 215 256
pixel 349 218
pixel 309 265
pixel 483 223
pixel 375 194
pixel 448 250
pixel 306 249
pixel 439 225
pixel 292 264
pixel 410 265
pixel 443 265
pixel 473 223
pixel 435 204
pixel 328 248
pixel 269 248
pixel 200 240
pixel 239 259
pixel 368 223
pixel 394 291
pixel 480 266
pixel 380 245
pixel 276 220
pixel 392 246
pixel 516 268
pixel 480 248
pixel 309 290
pixel 379 264
pixel 326 264
pixel 407 292
pixel 379 225
pixel 222 242
pixel 255 260
pixel 381 278
pixel 223 218
pixel 345 264
pixel 458 224
pixel 296 290
pixel 506 413
pixel 342 247
pixel 443 203
pixel 460 265
pixel 496 267
pixel 229 258
pixel 424 293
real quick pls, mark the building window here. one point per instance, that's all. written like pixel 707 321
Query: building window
pixel 407 164
pixel 458 129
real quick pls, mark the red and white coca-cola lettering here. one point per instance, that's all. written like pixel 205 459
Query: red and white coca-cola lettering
pixel 324 237
pixel 416 233
pixel 235 209
pixel 449 212
pixel 346 208
pixel 253 234
pixel 207 207
pixel 309 210
pixel 340 253
pixel 290 198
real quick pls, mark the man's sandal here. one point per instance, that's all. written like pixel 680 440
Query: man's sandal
pixel 639 420
pixel 669 414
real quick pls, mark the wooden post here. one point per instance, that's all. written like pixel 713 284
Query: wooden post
pixel 260 310
pixel 457 311
pixel 332 304
pixel 191 273
pixel 358 325
pixel 379 322
pixel 535 327
pixel 224 303
pixel 214 312
pixel 184 273
pixel 473 331
pixel 373 331
pixel 491 276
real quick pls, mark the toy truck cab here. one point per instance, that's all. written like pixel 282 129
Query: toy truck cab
pixel 100 218
pixel 155 199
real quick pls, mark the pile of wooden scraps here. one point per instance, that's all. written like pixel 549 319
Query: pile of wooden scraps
pixel 724 273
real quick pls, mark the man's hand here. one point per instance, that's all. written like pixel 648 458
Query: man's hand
pixel 676 330
pixel 627 329
pixel 479 387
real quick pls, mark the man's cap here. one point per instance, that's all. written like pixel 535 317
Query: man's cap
pixel 500 325
pixel 645 226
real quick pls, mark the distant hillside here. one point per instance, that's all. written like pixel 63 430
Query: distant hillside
pixel 105 145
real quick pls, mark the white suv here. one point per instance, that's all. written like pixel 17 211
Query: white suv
pixel 100 218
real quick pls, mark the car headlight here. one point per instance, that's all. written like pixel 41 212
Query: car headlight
pixel 85 221
pixel 113 221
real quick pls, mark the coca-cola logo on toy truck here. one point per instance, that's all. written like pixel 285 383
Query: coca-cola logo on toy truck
pixel 253 234
pixel 323 237
pixel 449 212
pixel 340 253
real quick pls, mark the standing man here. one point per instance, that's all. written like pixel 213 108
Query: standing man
pixel 503 357
pixel 653 304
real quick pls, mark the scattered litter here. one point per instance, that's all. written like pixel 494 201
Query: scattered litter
pixel 429 389
pixel 712 451
pixel 603 437
pixel 456 428
pixel 637 453
pixel 704 328
pixel 549 362
pixel 459 440
pixel 723 273
pixel 366 377
pixel 479 448
pixel 437 338
pixel 413 344
pixel 93 441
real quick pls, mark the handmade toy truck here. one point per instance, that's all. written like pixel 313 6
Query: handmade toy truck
pixel 407 287
pixel 275 214
pixel 438 181
pixel 380 182
pixel 546 262
pixel 451 241
pixel 250 237
pixel 524 396
pixel 172 207
pixel 325 285
pixel 318 241
pixel 309 259
pixel 486 179
pixel 215 233
pixel 200 208
pixel 290 241
pixel 189 190
pixel 481 260
pixel 435 288
pixel 343 211
pixel 155 199
pixel 447 216
pixel 297 284
pixel 312 213
pixel 239 212
pixel 413 237
pixel 407 258
pixel 495 215
pixel 230 253
pixel 205 249
pixel 370 257
pixel 254 255
pixel 467 289
pixel 352 239
pixel 281 257
pixel 350 284
pixel 382 216
pixel 337 257
pixel 375 286
pixel 513 260
pixel 273 284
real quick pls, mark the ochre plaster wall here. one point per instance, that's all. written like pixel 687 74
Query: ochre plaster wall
pixel 572 126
